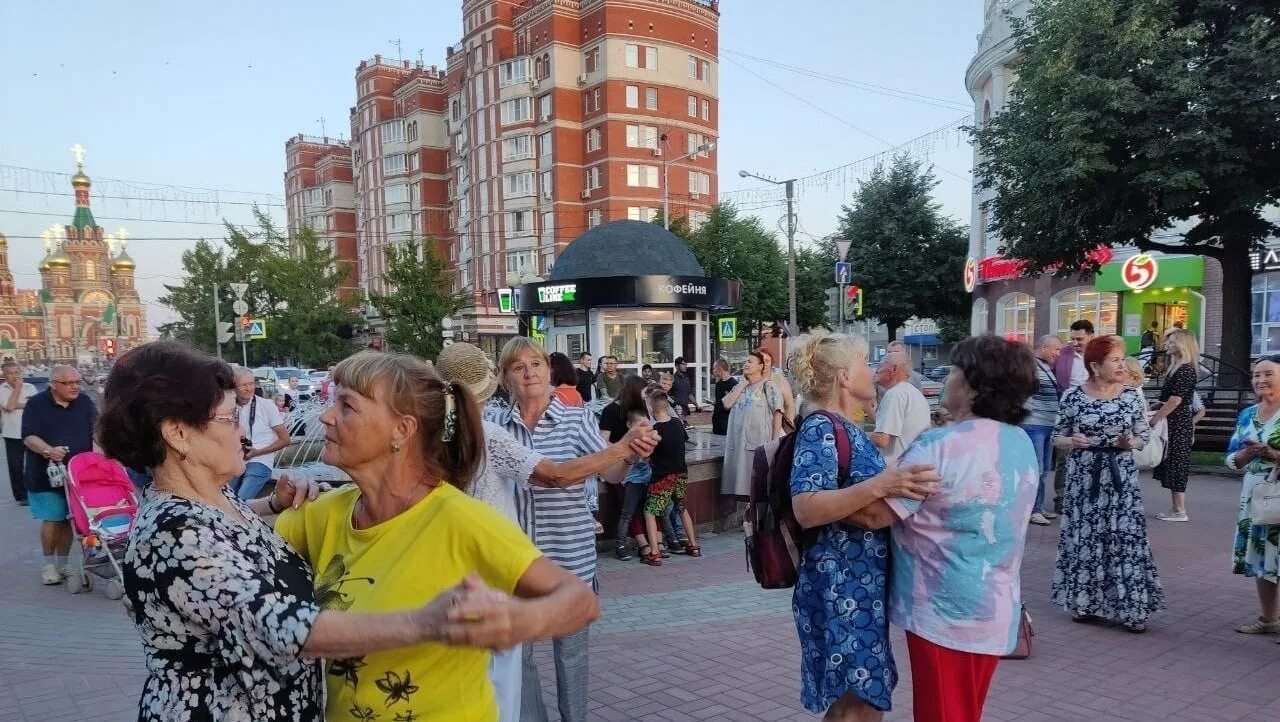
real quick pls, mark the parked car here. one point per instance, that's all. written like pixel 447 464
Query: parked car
pixel 268 382
pixel 938 373
pixel 295 383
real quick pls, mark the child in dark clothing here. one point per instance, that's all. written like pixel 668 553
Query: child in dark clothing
pixel 669 476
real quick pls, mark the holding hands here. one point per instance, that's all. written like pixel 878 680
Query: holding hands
pixel 472 614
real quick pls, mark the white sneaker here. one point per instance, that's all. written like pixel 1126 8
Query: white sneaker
pixel 1173 516
pixel 1039 519
pixel 1049 515
pixel 50 575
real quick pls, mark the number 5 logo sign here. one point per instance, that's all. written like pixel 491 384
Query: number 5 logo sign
pixel 1139 272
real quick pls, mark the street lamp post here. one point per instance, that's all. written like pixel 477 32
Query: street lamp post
pixel 791 241
pixel 666 187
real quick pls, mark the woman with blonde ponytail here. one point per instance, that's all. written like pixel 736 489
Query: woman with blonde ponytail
pixel 847 668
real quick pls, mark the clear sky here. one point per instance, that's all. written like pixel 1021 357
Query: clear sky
pixel 204 95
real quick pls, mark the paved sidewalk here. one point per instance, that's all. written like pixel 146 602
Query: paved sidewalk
pixel 697 640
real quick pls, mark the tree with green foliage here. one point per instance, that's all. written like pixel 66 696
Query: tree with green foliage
pixel 907 257
pixel 422 296
pixel 1150 123
pixel 293 284
pixel 729 245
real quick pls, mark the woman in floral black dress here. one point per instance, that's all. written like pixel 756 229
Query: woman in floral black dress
pixel 1179 388
pixel 229 625
pixel 1105 568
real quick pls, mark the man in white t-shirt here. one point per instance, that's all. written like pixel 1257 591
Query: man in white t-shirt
pixel 262 434
pixel 13 399
pixel 903 413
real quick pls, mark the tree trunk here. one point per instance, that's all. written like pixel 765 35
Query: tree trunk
pixel 891 327
pixel 1237 299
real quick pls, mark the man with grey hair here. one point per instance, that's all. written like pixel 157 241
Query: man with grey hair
pixel 903 413
pixel 57 424
pixel 915 378
pixel 262 434
pixel 1042 417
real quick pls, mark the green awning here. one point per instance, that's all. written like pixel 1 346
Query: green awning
pixel 1171 272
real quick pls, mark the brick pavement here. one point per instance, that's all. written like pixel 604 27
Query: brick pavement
pixel 697 640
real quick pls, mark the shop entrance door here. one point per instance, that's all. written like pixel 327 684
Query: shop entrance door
pixel 1164 315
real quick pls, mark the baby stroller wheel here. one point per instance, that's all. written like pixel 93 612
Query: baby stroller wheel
pixel 113 589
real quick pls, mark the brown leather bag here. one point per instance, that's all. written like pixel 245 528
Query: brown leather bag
pixel 1025 633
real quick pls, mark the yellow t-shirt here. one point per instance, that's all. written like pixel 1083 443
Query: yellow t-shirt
pixel 402 564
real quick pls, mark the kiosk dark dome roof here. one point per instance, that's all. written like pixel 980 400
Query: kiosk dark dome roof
pixel 625 248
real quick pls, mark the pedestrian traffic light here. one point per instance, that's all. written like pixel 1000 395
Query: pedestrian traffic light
pixel 853 302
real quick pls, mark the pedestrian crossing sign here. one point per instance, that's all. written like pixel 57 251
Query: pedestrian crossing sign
pixel 257 329
pixel 728 330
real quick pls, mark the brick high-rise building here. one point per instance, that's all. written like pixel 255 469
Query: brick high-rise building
pixel 550 117
pixel 319 193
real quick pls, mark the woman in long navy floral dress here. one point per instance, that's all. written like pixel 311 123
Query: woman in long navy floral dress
pixel 847 667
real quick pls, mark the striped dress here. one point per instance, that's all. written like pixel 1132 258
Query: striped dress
pixel 557 520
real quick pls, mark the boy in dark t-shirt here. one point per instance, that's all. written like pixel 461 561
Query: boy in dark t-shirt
pixel 669 474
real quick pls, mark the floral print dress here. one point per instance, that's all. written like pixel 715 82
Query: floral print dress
pixel 223 608
pixel 840 595
pixel 1105 567
pixel 1257 547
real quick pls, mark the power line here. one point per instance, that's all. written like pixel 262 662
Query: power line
pixel 146 183
pixel 863 85
pixel 117 218
pixel 148 200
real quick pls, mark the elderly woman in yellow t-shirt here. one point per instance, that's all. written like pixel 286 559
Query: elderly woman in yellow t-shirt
pixel 406 532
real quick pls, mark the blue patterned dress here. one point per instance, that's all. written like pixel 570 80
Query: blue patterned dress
pixel 839 599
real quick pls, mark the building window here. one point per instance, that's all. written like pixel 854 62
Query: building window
pixel 1016 316
pixel 514 71
pixel 633 96
pixel 516 110
pixel 640 213
pixel 412 159
pixel 519 223
pixel 697 219
pixel 595 217
pixel 651 98
pixel 699 183
pixel 395 193
pixel 398 222
pixel 642 56
pixel 642 176
pixel 517 148
pixel 706 110
pixel 393 131
pixel 706 71
pixel 979 319
pixel 544 144
pixel 518 261
pixel 642 136
pixel 693 107
pixel 545 184
pixel 1098 307
pixel 696 141
pixel 90 270
pixel 1266 313
pixel 544 107
pixel 516 185
pixel 593 178
pixel 593 59
pixel 393 163
pixel 593 140
pixel 693 67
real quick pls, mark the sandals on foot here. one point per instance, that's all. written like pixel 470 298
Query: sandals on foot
pixel 1259 626
pixel 651 559
pixel 693 550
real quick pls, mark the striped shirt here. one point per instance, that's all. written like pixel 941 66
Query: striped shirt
pixel 1043 404
pixel 557 520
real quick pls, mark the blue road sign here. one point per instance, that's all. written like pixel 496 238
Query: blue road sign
pixel 844 273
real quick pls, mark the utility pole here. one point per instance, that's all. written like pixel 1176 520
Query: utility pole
pixel 791 254
pixel 217 322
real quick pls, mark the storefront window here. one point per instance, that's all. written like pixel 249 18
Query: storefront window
pixel 620 341
pixel 1098 307
pixel 979 318
pixel 1266 313
pixel 657 343
pixel 1015 317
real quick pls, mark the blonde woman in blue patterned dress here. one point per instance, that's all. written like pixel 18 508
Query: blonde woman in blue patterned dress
pixel 1255 448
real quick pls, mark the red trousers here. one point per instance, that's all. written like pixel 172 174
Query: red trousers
pixel 946 685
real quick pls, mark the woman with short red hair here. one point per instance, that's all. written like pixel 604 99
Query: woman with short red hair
pixel 1105 569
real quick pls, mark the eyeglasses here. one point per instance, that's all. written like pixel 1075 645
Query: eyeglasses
pixel 77 382
pixel 224 418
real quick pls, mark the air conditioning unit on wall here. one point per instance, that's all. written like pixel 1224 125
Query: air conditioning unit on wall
pixel 586 193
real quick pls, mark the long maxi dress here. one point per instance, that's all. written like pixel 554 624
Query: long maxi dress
pixel 750 426
pixel 1105 567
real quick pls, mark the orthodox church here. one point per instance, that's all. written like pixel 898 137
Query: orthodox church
pixel 87 310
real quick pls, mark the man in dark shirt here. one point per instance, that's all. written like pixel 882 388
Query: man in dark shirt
pixel 586 377
pixel 56 425
pixel 682 389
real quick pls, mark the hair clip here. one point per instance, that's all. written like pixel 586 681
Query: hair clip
pixel 450 413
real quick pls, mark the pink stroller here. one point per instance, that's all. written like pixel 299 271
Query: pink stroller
pixel 103 504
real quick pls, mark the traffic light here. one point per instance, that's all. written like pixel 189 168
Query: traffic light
pixel 109 346
pixel 833 307
pixel 853 302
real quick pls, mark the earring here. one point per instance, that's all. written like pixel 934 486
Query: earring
pixel 182 455
pixel 395 448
